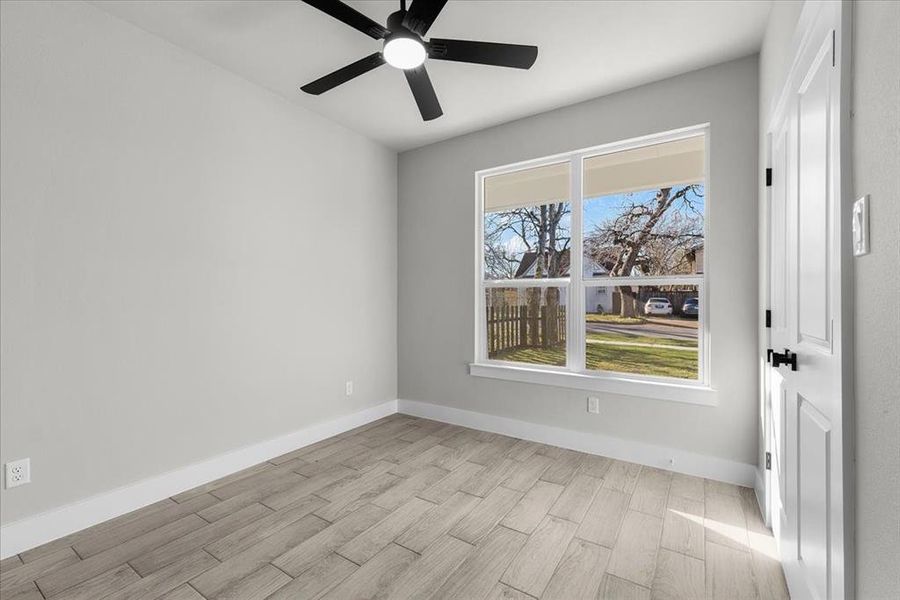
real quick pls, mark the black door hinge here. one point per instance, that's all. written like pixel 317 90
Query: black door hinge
pixel 768 461
pixel 769 177
pixel 768 319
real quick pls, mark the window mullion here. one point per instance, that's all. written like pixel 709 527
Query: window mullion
pixel 575 360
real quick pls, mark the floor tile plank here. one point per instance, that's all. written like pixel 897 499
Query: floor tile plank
pixel 580 572
pixel 683 529
pixel 615 588
pixel 258 585
pixel 575 500
pixel 487 480
pixel 128 531
pixel 482 519
pixel 304 555
pixel 634 555
pixel 533 507
pixel 261 529
pixel 317 580
pixel 450 484
pixel 249 560
pixel 375 577
pixel 438 562
pixel 601 522
pixel 725 523
pixel 377 537
pixel 564 467
pixel 729 574
pixel 102 585
pixel 169 553
pixel 437 522
pixel 73 574
pixel 27 572
pixel 621 476
pixel 166 579
pixel 526 473
pixel 678 577
pixel 533 567
pixel 480 572
pixel 651 492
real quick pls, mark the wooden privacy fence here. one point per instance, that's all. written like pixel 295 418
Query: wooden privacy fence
pixel 511 327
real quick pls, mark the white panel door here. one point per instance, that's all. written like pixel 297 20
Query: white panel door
pixel 804 401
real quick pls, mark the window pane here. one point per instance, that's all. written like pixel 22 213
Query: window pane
pixel 643 330
pixel 643 211
pixel 527 224
pixel 526 325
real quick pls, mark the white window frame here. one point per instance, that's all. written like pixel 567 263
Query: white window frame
pixel 575 374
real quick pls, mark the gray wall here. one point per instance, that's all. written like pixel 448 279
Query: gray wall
pixel 436 262
pixel 876 171
pixel 176 248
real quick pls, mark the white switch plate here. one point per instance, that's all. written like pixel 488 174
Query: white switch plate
pixel 18 472
pixel 349 388
pixel 593 405
pixel 860 225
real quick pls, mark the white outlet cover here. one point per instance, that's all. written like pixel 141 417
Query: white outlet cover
pixel 349 388
pixel 593 405
pixel 18 472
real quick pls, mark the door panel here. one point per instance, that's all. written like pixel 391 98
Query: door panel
pixel 812 231
pixel 778 237
pixel 813 473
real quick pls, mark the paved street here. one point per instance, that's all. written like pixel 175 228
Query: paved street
pixel 677 329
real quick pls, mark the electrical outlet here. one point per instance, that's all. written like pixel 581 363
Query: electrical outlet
pixel 349 388
pixel 593 405
pixel 18 472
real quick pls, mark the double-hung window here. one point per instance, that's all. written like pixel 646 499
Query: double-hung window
pixel 591 267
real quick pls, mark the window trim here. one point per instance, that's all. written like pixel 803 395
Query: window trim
pixel 574 374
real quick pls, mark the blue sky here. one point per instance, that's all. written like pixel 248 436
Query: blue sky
pixel 596 211
pixel 601 208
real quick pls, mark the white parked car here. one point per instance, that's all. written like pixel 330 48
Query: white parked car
pixel 658 306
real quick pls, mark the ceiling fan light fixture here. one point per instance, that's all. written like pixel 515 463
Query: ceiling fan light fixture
pixel 404 52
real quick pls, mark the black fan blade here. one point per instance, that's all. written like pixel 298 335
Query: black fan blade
pixel 350 16
pixel 483 53
pixel 422 14
pixel 343 75
pixel 423 92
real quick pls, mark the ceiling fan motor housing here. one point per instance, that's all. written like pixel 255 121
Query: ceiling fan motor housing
pixel 403 49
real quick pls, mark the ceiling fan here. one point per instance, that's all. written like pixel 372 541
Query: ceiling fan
pixel 405 49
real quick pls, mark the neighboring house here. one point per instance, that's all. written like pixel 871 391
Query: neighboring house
pixel 695 259
pixel 597 299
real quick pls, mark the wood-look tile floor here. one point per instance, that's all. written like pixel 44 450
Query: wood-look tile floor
pixel 409 508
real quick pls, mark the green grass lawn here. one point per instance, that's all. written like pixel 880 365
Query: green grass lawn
pixel 663 362
pixel 615 319
pixel 635 338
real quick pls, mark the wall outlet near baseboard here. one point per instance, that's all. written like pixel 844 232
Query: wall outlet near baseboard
pixel 18 472
pixel 593 405
pixel 349 388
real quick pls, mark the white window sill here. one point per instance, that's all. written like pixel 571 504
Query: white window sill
pixel 690 393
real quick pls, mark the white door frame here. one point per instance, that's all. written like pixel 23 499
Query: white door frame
pixel 816 15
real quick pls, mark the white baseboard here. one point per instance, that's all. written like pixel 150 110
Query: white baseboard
pixel 30 532
pixel 689 463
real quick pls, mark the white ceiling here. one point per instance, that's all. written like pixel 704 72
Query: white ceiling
pixel 586 49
